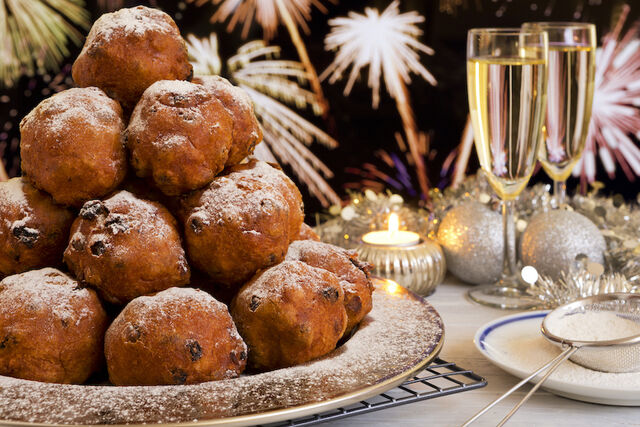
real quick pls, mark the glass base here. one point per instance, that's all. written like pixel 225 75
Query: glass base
pixel 502 295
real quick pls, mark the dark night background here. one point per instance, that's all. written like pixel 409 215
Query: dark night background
pixel 440 111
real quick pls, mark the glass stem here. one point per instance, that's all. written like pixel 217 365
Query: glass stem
pixel 509 232
pixel 560 192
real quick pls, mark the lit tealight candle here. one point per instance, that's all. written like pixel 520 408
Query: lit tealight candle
pixel 392 236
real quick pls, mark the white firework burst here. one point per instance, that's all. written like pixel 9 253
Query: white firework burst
pixel 386 42
pixel 615 115
pixel 204 54
pixel 271 82
pixel 255 65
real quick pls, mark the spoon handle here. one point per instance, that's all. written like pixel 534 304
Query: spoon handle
pixel 554 363
pixel 565 355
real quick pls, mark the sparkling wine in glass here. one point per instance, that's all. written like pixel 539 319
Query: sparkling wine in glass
pixel 571 68
pixel 507 85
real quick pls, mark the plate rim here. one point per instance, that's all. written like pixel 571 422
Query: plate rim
pixel 299 410
pixel 581 392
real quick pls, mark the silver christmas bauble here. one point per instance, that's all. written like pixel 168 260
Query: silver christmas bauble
pixel 552 241
pixel 471 237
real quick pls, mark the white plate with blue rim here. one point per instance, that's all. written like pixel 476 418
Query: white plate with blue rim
pixel 515 344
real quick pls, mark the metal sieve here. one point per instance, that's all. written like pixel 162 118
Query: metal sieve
pixel 607 355
pixel 621 354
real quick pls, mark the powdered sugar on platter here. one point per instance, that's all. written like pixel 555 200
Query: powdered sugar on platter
pixel 400 333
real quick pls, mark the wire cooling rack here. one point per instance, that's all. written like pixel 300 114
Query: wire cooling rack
pixel 441 378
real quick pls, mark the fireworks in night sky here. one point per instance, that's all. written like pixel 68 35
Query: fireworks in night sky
pixel 269 14
pixel 388 44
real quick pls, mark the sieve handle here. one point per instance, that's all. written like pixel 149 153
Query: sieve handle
pixel 565 355
pixel 553 363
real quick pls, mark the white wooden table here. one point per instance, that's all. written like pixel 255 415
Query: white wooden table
pixel 462 318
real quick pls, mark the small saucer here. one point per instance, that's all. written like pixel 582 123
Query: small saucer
pixel 515 344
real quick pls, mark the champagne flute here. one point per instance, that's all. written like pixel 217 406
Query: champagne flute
pixel 571 69
pixel 507 85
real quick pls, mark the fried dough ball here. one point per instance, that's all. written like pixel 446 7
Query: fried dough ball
pixel 289 314
pixel 235 229
pixel 71 146
pixel 246 129
pixel 179 135
pixel 33 230
pixel 177 336
pixel 307 233
pixel 51 329
pixel 128 50
pixel 353 274
pixel 239 223
pixel 257 170
pixel 126 247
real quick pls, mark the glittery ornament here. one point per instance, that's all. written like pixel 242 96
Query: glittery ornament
pixel 553 240
pixel 618 221
pixel 471 237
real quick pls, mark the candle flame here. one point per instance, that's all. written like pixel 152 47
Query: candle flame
pixel 394 223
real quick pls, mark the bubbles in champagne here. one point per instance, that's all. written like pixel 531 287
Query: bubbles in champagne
pixel 507 104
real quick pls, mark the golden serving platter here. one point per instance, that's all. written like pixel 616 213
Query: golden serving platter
pixel 402 334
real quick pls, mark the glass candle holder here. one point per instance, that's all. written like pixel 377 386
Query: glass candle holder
pixel 419 267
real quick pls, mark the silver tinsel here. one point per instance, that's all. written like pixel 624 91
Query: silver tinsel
pixel 620 226
pixel 570 287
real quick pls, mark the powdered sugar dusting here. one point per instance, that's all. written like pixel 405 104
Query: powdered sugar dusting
pixel 178 87
pixel 46 290
pixel 13 198
pixel 182 95
pixel 12 194
pixel 136 22
pixel 65 110
pixel 593 325
pixel 130 213
pixel 323 250
pixel 398 333
pixel 220 203
pixel 289 274
pixel 166 303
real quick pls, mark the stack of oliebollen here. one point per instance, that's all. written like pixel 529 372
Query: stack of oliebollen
pixel 187 259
